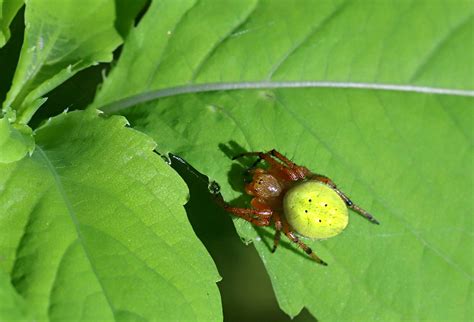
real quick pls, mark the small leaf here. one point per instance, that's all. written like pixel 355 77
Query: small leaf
pixel 8 10
pixel 93 228
pixel 15 141
pixel 54 49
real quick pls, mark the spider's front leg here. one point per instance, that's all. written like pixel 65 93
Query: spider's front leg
pixel 280 166
pixel 258 217
pixel 245 154
pixel 278 228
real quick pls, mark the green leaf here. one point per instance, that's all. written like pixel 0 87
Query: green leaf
pixel 8 10
pixel 200 43
pixel 15 141
pixel 404 157
pixel 94 228
pixel 351 89
pixel 12 306
pixel 54 49
pixel 168 34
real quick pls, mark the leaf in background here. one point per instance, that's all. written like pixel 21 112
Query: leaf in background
pixel 404 155
pixel 94 228
pixel 15 141
pixel 8 10
pixel 54 48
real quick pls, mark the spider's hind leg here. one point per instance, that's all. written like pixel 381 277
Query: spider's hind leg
pixel 302 245
pixel 278 228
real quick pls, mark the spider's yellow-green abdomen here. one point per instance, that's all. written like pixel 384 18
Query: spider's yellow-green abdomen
pixel 315 210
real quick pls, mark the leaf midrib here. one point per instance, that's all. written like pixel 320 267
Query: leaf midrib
pixel 75 221
pixel 128 102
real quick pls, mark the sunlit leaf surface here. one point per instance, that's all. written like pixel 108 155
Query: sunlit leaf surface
pixel 93 228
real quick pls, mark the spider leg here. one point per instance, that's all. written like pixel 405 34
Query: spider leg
pixel 302 245
pixel 297 171
pixel 254 165
pixel 287 162
pixel 282 158
pixel 294 173
pixel 361 211
pixel 323 179
pixel 346 199
pixel 258 217
pixel 278 227
pixel 272 152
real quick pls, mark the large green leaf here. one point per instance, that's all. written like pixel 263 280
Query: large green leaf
pixel 93 228
pixel 392 42
pixel 8 10
pixel 405 157
pixel 54 48
pixel 391 124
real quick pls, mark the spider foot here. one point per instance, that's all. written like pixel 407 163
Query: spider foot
pixel 214 188
pixel 317 259
pixel 374 221
pixel 369 217
pixel 364 213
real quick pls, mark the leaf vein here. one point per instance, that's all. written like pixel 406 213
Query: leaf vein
pixel 67 202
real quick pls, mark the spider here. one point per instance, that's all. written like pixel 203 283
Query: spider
pixel 295 200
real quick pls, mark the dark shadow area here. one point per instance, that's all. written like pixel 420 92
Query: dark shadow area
pixel 246 291
pixel 128 14
pixel 238 174
pixel 267 239
pixel 76 93
pixel 10 53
